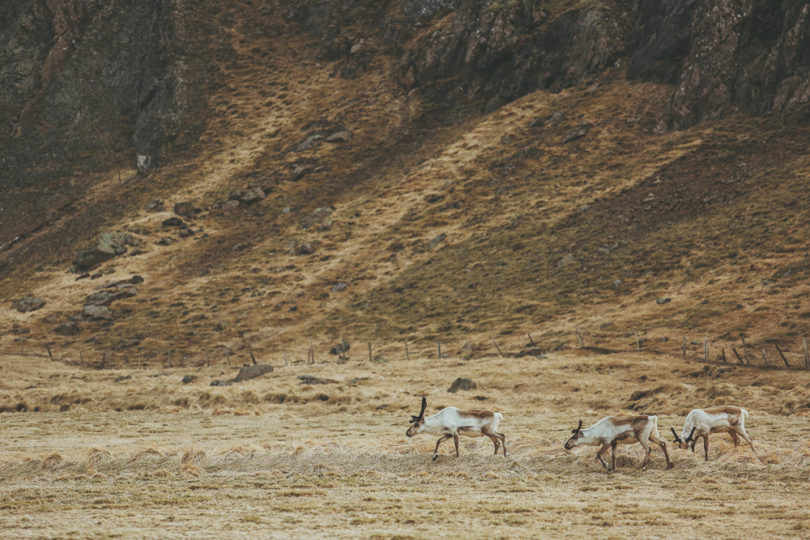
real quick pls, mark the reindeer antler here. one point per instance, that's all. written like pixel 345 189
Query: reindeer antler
pixel 677 439
pixel 689 438
pixel 415 419
pixel 575 431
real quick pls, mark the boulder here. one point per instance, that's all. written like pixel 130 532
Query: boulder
pixel 110 244
pixel 173 222
pixel 28 303
pixel 185 209
pixel 249 195
pixel 309 379
pixel 340 348
pixel 189 378
pixel 462 383
pixel 106 297
pixel 69 328
pixel 251 372
pixel 96 313
pixel 341 136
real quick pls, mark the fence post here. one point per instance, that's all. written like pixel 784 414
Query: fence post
pixel 370 356
pixel 500 352
pixel 439 349
pixel 706 350
pixel 407 353
pixel 683 347
pixel 781 354
pixel 806 355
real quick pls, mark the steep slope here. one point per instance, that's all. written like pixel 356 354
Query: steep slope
pixel 422 182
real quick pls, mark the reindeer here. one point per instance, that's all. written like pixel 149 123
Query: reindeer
pixel 611 431
pixel 721 419
pixel 451 422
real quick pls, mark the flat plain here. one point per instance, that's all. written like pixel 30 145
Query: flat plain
pixel 109 453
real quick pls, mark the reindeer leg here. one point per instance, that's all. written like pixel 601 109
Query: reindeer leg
pixel 706 445
pixel 663 446
pixel 599 456
pixel 493 438
pixel 745 436
pixel 436 451
pixel 503 442
pixel 693 444
pixel 734 438
pixel 647 451
pixel 455 441
pixel 613 456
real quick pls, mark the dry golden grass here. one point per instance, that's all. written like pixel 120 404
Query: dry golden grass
pixel 334 461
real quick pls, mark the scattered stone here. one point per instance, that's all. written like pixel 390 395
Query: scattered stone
pixel 165 241
pixel 438 240
pixel 309 379
pixel 85 275
pixel 189 378
pixel 106 297
pixel 617 283
pixel 155 205
pixel 251 372
pixel 121 378
pixel 304 249
pixel 340 286
pixel 462 383
pixel 109 245
pixel 308 142
pixel 221 383
pixel 340 348
pixel 185 209
pixel 28 303
pixel 576 133
pixel 69 328
pixel 96 313
pixel 249 195
pixel 97 275
pixel 661 301
pixel 341 136
pixel 229 206
pixel 173 222
pixel 242 246
pixel 568 260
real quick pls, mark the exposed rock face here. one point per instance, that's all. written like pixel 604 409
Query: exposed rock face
pixel 723 55
pixel 500 51
pixel 109 80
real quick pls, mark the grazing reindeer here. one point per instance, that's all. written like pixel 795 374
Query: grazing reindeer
pixel 611 431
pixel 722 419
pixel 451 422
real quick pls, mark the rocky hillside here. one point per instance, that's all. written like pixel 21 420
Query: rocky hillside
pixel 400 170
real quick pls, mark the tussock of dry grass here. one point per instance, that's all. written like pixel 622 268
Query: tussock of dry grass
pixel 317 468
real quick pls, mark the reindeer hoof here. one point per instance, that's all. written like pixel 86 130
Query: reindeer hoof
pixel 670 465
pixel 644 468
pixel 435 457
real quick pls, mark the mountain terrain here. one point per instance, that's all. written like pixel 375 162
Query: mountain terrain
pixel 612 174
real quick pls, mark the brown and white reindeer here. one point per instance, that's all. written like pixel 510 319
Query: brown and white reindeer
pixel 452 422
pixel 722 419
pixel 610 431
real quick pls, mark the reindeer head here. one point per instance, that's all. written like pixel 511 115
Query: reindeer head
pixel 683 444
pixel 417 421
pixel 576 438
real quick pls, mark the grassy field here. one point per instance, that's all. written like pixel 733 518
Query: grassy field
pixel 150 456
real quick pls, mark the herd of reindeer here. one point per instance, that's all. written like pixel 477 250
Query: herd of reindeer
pixel 610 431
